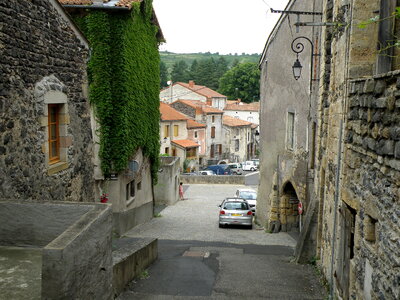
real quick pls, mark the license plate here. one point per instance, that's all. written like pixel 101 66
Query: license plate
pixel 236 215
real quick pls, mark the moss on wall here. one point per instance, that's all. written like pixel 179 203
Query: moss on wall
pixel 124 83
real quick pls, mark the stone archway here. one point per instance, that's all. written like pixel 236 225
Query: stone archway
pixel 288 207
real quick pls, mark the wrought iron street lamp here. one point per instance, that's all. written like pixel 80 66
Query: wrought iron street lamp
pixel 297 48
pixel 297 69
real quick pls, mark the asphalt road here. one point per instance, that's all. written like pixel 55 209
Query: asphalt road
pixel 198 260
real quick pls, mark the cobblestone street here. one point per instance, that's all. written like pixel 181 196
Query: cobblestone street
pixel 199 260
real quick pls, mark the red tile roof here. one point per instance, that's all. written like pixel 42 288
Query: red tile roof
pixel 185 143
pixel 201 107
pixel 254 106
pixel 201 89
pixel 232 122
pixel 170 114
pixel 193 124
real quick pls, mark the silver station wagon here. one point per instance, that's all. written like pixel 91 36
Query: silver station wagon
pixel 235 211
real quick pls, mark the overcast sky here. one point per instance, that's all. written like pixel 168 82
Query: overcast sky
pixel 224 26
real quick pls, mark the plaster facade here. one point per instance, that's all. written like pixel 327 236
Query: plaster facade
pixel 176 92
pixel 287 121
pixel 237 139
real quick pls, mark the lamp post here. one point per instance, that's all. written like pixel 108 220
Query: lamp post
pixel 297 48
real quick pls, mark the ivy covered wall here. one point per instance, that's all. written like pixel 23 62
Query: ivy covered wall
pixel 124 83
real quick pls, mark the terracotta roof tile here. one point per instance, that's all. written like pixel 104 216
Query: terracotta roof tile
pixel 232 122
pixel 185 143
pixel 170 114
pixel 255 106
pixel 201 89
pixel 193 124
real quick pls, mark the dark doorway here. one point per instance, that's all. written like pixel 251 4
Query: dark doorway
pixel 288 206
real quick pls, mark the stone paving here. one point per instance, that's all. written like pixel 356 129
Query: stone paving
pixel 196 218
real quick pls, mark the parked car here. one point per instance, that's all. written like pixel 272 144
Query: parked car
pixel 257 162
pixel 250 196
pixel 220 169
pixel 235 211
pixel 249 165
pixel 206 172
pixel 236 168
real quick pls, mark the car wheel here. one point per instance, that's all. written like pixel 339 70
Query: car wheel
pixel 234 173
pixel 220 225
pixel 250 226
pixel 252 169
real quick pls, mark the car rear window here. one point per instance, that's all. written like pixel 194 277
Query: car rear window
pixel 236 206
pixel 248 195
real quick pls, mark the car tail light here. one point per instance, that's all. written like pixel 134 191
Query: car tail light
pixel 249 213
pixel 221 212
pixel 225 173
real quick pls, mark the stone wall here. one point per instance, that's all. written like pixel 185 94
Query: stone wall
pixel 185 109
pixel 42 55
pixel 75 239
pixel 372 183
pixel 213 179
pixel 166 190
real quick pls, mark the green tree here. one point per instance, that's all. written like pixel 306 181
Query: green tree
pixel 242 81
pixel 163 75
pixel 180 72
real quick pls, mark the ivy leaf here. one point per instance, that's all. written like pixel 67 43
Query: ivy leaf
pixel 397 12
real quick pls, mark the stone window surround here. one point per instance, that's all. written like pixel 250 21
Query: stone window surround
pixel 50 90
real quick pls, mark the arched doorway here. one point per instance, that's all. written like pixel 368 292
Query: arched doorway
pixel 288 206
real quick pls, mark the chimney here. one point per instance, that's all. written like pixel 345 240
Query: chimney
pixel 191 84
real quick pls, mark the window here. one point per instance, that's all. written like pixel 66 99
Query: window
pixel 130 190
pixel 176 130
pixel 166 131
pixel 290 131
pixel 250 119
pixel 213 132
pixel 173 151
pixel 195 134
pixel 54 133
pixel 166 150
pixel 212 119
pixel 219 148
pixel 313 145
pixel 212 151
pixel 236 145
pixel 139 186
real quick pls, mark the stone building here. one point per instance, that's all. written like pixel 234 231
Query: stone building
pixel 46 149
pixel 287 120
pixel 192 91
pixel 174 138
pixel 238 138
pixel 351 222
pixel 358 157
pixel 212 118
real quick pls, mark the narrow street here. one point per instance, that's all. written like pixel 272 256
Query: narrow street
pixel 198 260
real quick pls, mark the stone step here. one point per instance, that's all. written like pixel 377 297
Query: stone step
pixel 131 256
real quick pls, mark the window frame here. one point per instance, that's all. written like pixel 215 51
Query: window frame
pixel 212 132
pixel 176 130
pixel 290 130
pixel 54 141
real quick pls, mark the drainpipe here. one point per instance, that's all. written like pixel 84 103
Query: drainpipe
pixel 343 120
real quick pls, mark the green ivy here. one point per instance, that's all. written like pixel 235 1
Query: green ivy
pixel 124 84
